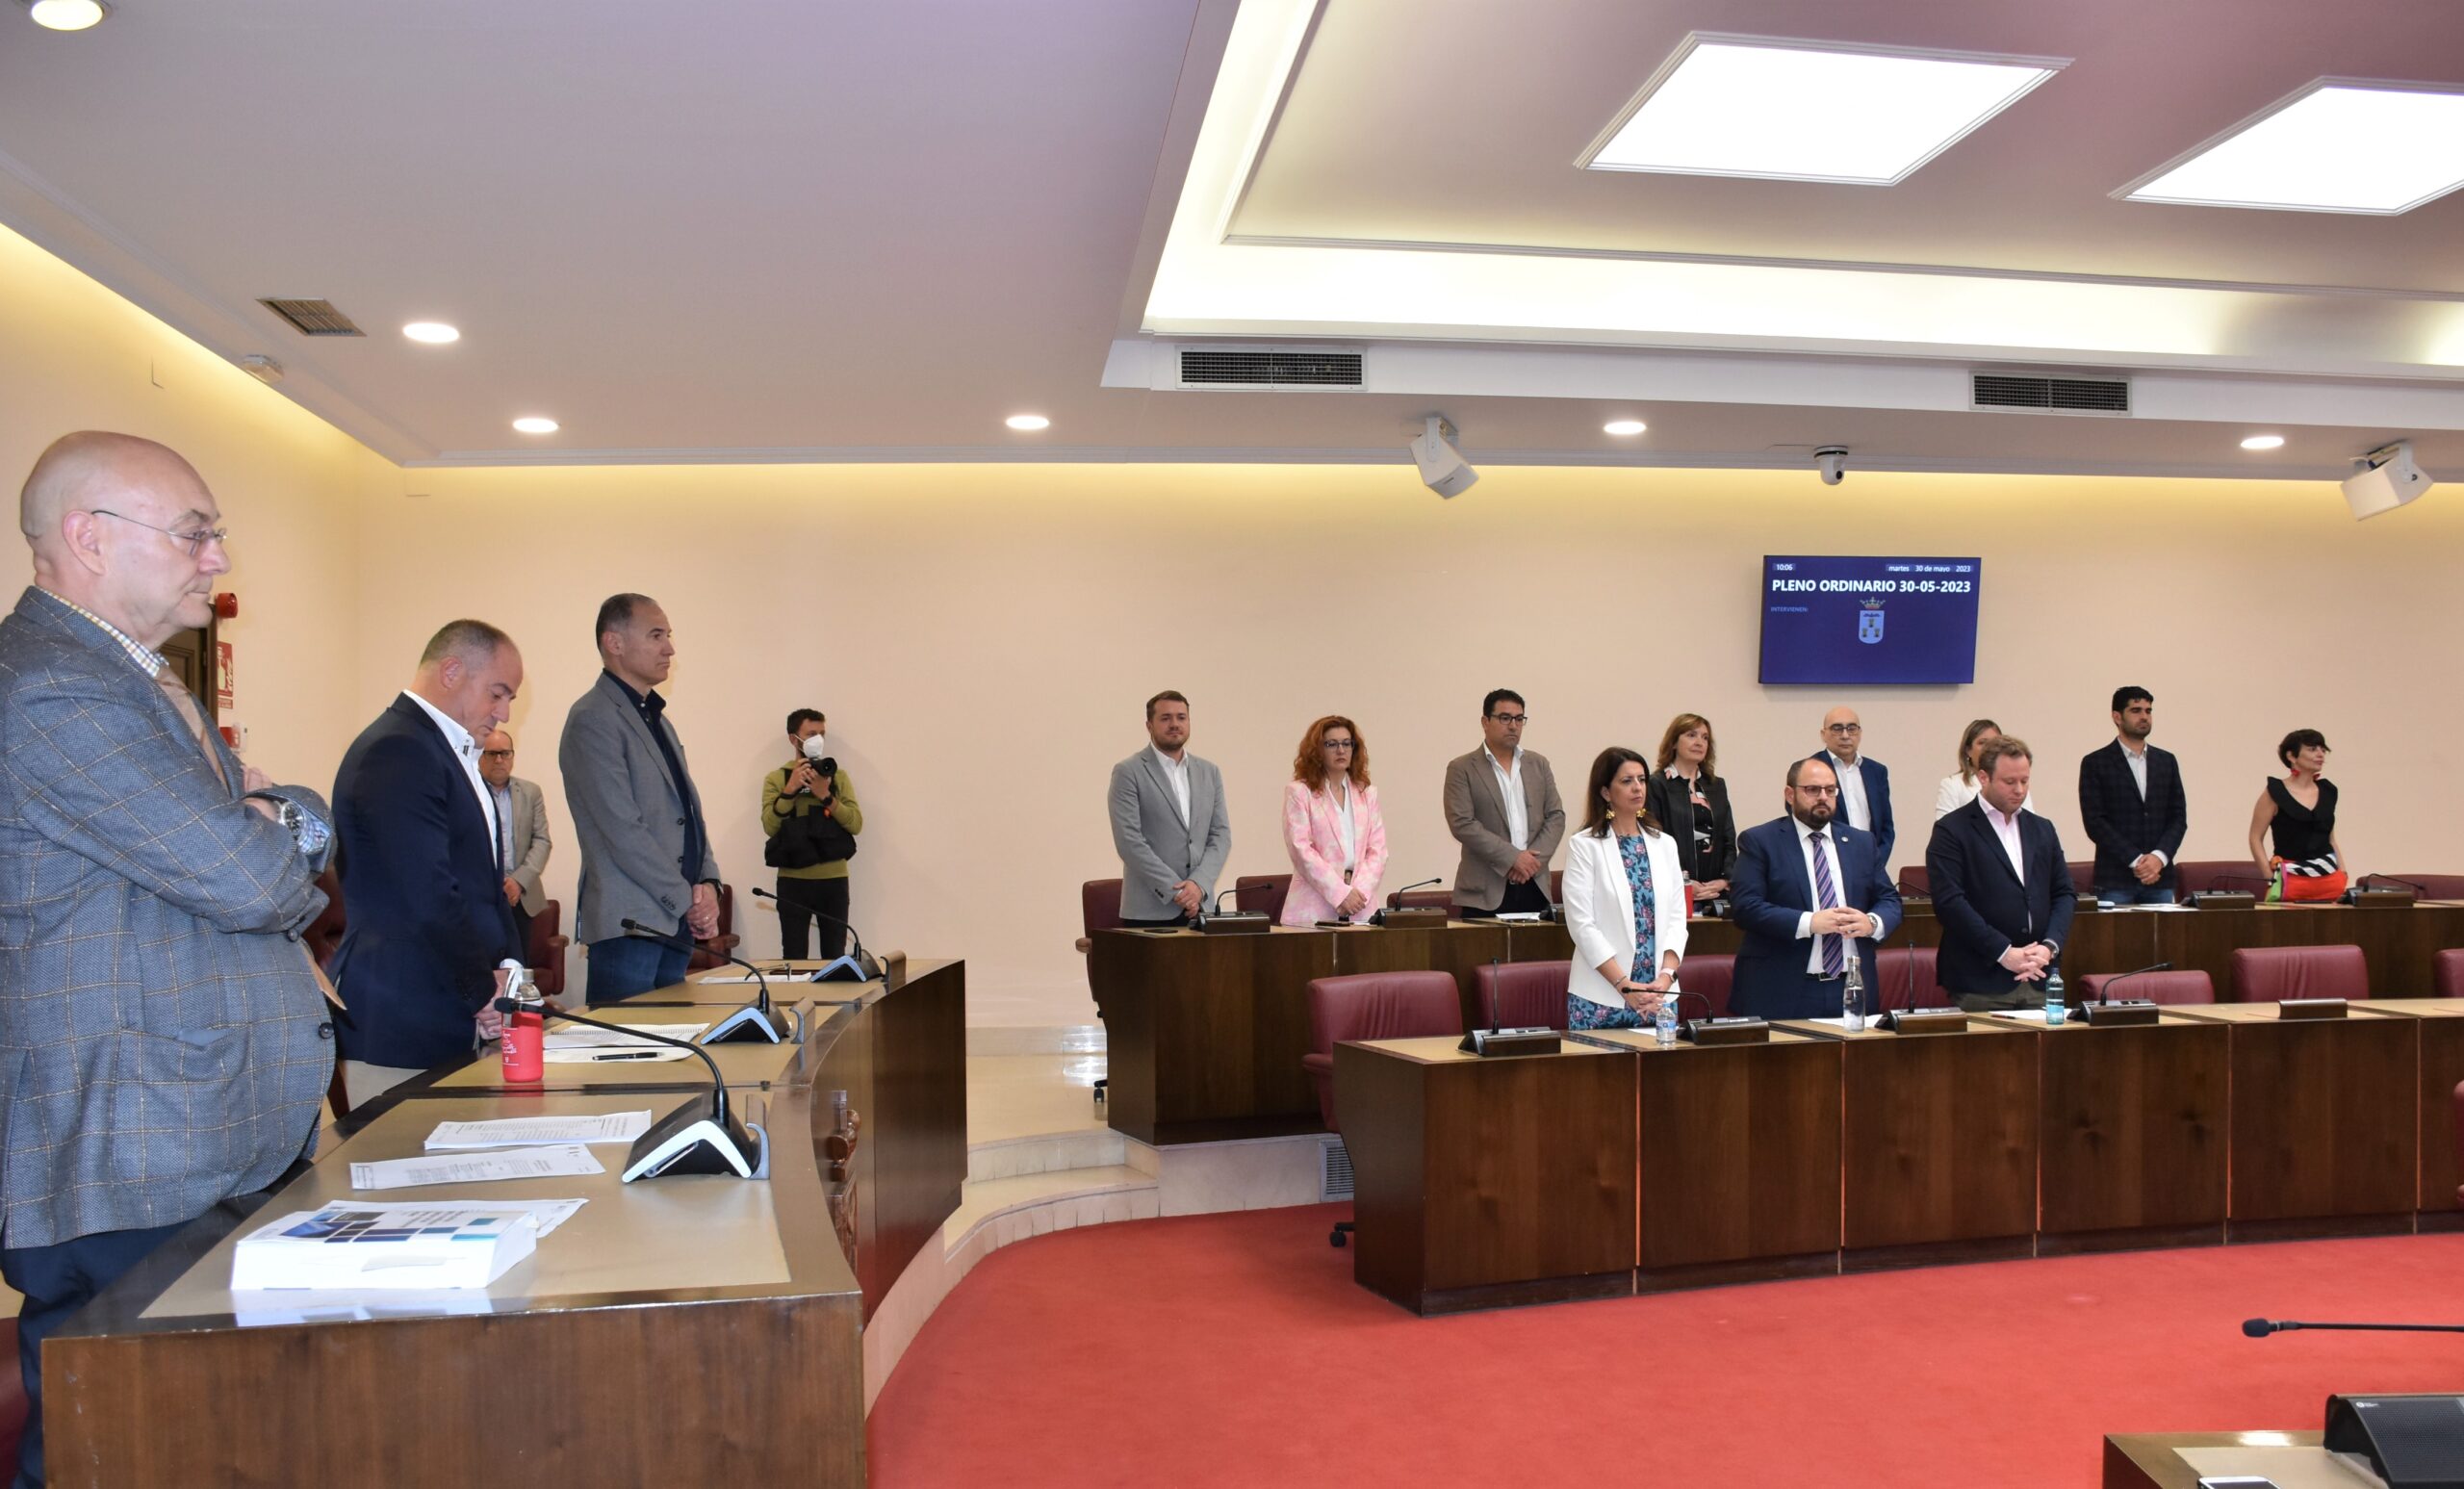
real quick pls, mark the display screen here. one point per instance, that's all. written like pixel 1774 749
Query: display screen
pixel 1869 620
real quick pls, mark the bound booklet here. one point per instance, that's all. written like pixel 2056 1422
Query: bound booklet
pixel 356 1246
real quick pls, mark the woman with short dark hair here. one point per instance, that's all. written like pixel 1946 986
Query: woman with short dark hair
pixel 2309 864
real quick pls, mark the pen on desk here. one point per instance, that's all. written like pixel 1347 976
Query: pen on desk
pixel 626 1054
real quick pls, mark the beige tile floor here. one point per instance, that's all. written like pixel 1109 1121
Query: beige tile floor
pixel 1013 1096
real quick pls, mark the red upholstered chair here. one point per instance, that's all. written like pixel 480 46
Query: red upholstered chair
pixel 2433 886
pixel 12 1401
pixel 1908 979
pixel 2192 876
pixel 1556 884
pixel 1916 879
pixel 2446 973
pixel 325 932
pixel 712 950
pixel 2191 986
pixel 2266 974
pixel 1098 910
pixel 1373 1005
pixel 2083 878
pixel 1709 974
pixel 2458 1100
pixel 545 955
pixel 1525 994
pixel 1264 893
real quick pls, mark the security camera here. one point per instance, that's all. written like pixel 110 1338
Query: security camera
pixel 1832 460
pixel 2384 479
pixel 1443 468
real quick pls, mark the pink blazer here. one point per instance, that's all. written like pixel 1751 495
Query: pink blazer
pixel 1315 845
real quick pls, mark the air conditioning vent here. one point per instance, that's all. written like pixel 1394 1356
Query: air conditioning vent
pixel 1280 366
pixel 314 317
pixel 2052 395
pixel 1334 1170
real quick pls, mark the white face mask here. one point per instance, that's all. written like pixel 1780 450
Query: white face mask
pixel 816 747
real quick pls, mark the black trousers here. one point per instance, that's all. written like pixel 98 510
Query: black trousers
pixel 798 901
pixel 1527 898
pixel 58 1280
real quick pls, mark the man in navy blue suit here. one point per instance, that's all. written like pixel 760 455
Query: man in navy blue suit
pixel 1865 784
pixel 425 922
pixel 2001 890
pixel 1809 892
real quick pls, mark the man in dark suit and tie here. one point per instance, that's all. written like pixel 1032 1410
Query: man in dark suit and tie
pixel 1808 893
pixel 2001 890
pixel 2131 802
pixel 165 1040
pixel 426 921
pixel 1864 783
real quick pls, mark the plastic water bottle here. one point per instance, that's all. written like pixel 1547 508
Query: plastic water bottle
pixel 1664 1019
pixel 2057 1006
pixel 1852 995
pixel 524 1051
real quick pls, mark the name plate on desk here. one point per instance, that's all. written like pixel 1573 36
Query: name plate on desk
pixel 1511 1041
pixel 2310 1007
pixel 2118 1013
pixel 1238 922
pixel 1418 917
pixel 1925 1020
pixel 1739 1029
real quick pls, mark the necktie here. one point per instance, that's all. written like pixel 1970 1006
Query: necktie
pixel 1835 957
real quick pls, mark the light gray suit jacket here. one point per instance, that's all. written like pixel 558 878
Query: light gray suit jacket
pixel 163 1043
pixel 1158 846
pixel 530 845
pixel 628 816
pixel 1476 815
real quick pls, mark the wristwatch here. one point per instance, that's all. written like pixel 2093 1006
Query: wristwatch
pixel 308 834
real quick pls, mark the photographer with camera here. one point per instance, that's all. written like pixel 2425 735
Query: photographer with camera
pixel 809 810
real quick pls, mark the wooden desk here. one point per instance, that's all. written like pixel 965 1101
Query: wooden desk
pixel 2153 1460
pixel 1939 1144
pixel 1740 1159
pixel 1484 1181
pixel 1204 1034
pixel 580 1352
pixel 2133 1123
pixel 2442 1069
pixel 2325 1133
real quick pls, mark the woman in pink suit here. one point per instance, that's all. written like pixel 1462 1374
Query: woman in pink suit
pixel 1332 826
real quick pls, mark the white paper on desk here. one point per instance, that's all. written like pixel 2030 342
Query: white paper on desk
pixel 579 1037
pixel 2022 1016
pixel 529 1163
pixel 1519 916
pixel 1840 1021
pixel 533 1131
pixel 548 1212
pixel 773 974
pixel 614 1054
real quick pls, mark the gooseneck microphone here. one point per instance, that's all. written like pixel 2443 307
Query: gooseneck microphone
pixel 1378 919
pixel 755 1021
pixel 2261 1328
pixel 2110 983
pixel 699 1137
pixel 860 968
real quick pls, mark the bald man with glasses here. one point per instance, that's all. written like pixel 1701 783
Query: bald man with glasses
pixel 1864 783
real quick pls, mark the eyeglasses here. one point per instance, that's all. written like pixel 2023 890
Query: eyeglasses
pixel 1843 729
pixel 1338 744
pixel 194 542
pixel 1511 719
pixel 496 755
pixel 1817 790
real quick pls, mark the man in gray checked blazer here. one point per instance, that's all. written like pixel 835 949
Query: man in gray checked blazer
pixel 164 1044
pixel 645 848
pixel 1168 821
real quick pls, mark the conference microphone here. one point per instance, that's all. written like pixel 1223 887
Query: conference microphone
pixel 1494 1039
pixel 2261 1328
pixel 699 1137
pixel 2113 1011
pixel 1379 917
pixel 2370 881
pixel 2110 983
pixel 754 1022
pixel 860 968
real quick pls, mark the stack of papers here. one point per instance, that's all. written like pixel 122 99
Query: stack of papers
pixel 580 1037
pixel 349 1245
pixel 523 1162
pixel 533 1131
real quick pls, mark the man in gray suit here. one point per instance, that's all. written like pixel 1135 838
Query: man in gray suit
pixel 645 850
pixel 1501 805
pixel 521 821
pixel 1168 821
pixel 162 1041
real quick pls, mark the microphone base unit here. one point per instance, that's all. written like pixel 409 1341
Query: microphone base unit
pixel 2410 1441
pixel 699 1138
pixel 1235 922
pixel 1418 917
pixel 750 1025
pixel 1925 1020
pixel 2375 898
pixel 2224 899
pixel 849 970
pixel 2118 1012
pixel 2311 1008
pixel 1736 1029
pixel 1511 1041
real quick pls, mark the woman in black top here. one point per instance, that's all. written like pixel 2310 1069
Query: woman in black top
pixel 1688 796
pixel 2301 810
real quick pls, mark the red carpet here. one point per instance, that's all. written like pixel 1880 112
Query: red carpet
pixel 1235 1350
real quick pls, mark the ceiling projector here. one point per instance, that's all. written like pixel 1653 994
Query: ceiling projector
pixel 1443 468
pixel 2387 480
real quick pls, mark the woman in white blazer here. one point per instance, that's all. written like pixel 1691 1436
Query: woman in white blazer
pixel 1332 829
pixel 1625 901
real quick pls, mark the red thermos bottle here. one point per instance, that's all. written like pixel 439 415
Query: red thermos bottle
pixel 526 1032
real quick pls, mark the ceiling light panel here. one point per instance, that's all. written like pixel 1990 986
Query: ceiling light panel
pixel 1809 111
pixel 2337 145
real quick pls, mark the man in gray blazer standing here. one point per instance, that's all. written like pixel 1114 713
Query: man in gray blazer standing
pixel 645 849
pixel 164 1044
pixel 1168 821
pixel 521 821
pixel 1501 805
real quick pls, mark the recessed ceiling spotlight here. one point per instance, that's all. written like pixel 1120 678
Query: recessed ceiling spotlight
pixel 1801 111
pixel 436 333
pixel 2336 145
pixel 1028 422
pixel 68 15
pixel 534 425
pixel 1623 426
pixel 2263 441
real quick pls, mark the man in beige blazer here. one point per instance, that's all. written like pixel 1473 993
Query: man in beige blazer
pixel 1501 805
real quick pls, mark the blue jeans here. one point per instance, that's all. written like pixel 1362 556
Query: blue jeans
pixel 58 1280
pixel 2134 893
pixel 624 965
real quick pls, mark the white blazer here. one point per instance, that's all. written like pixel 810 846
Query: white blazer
pixel 1600 910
